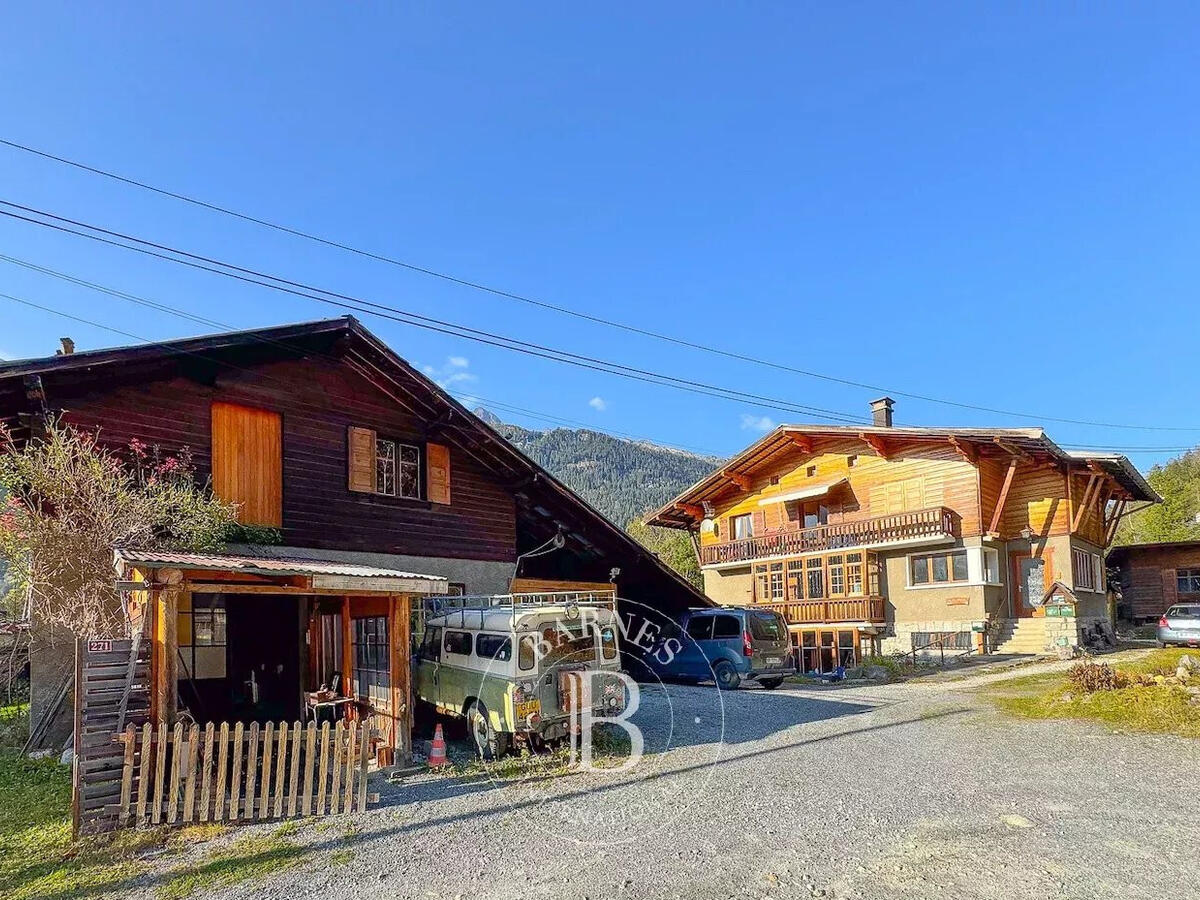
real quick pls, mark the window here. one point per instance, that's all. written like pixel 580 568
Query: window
pixel 991 566
pixel 527 652
pixel 1184 612
pixel 776 581
pixel 854 574
pixel 795 579
pixel 397 469
pixel 700 628
pixel 938 568
pixel 837 576
pixel 816 578
pixel 493 646
pixel 851 460
pixel 741 527
pixel 431 646
pixel 1187 581
pixel 200 629
pixel 458 643
pixel 774 479
pixel 608 642
pixel 725 626
pixel 456 589
pixel 814 514
pixel 372 667
pixel 810 471
pixel 1082 573
pixel 329 662
pixel 766 626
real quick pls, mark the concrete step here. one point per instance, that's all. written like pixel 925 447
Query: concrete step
pixel 1024 635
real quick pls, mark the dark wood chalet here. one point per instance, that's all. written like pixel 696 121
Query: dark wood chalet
pixel 376 479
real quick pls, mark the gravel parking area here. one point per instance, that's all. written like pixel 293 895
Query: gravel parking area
pixel 874 791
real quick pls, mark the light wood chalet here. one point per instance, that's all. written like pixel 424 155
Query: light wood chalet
pixel 885 538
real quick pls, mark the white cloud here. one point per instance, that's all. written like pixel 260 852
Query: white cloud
pixel 452 373
pixel 757 423
pixel 599 404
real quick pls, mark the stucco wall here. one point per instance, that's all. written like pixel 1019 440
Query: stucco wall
pixel 729 587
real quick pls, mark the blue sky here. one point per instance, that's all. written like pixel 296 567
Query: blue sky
pixel 996 207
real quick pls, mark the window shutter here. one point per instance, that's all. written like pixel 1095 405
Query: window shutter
pixel 437 466
pixel 758 522
pixel 360 444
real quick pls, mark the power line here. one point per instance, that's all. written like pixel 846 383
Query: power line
pixel 182 313
pixel 214 323
pixel 532 301
pixel 368 307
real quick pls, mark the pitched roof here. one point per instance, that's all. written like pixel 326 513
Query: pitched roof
pixel 787 439
pixel 544 502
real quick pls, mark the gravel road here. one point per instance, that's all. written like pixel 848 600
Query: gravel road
pixel 875 791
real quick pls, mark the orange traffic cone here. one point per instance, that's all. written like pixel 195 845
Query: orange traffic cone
pixel 437 749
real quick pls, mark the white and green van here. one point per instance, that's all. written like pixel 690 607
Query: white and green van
pixel 510 664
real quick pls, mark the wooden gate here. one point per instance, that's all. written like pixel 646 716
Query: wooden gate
pixel 245 773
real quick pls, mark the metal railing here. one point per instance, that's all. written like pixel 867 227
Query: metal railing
pixel 940 640
pixel 937 521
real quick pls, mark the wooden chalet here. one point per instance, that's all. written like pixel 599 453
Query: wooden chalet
pixel 896 538
pixel 381 485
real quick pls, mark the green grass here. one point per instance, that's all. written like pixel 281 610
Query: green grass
pixel 37 857
pixel 39 860
pixel 1160 708
pixel 14 724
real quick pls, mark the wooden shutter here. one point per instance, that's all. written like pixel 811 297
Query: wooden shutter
pixel 437 469
pixel 247 462
pixel 360 445
pixel 758 522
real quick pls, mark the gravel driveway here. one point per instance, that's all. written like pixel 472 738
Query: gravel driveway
pixel 878 791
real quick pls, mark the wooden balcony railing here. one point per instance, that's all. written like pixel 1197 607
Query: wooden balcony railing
pixel 819 612
pixel 895 529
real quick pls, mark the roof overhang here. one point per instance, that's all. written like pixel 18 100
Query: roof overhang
pixel 318 574
pixel 1026 444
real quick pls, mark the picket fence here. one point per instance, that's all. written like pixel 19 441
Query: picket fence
pixel 221 774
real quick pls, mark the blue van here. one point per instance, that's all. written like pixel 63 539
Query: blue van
pixel 729 645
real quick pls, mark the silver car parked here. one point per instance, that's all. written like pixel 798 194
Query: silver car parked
pixel 1180 625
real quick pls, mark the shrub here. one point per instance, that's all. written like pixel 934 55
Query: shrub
pixel 1091 677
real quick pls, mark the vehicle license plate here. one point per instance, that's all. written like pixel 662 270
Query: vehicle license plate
pixel 527 708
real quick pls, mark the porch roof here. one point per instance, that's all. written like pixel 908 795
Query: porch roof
pixel 328 574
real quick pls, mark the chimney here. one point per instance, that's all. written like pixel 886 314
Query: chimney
pixel 68 347
pixel 881 412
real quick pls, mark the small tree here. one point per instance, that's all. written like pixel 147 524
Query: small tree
pixel 71 501
pixel 671 546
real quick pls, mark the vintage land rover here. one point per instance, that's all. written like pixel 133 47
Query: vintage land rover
pixel 519 667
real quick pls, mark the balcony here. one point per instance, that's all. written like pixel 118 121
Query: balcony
pixel 820 612
pixel 902 528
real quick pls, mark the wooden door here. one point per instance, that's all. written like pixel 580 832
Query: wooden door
pixel 1029 583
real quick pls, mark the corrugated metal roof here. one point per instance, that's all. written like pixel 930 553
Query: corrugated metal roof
pixel 263 565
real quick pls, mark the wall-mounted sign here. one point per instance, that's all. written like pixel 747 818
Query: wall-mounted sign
pixel 99 646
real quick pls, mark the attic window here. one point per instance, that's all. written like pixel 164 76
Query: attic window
pixel 810 471
pixel 774 479
pixel 852 460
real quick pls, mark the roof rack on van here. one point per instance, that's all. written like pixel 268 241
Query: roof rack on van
pixel 447 603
